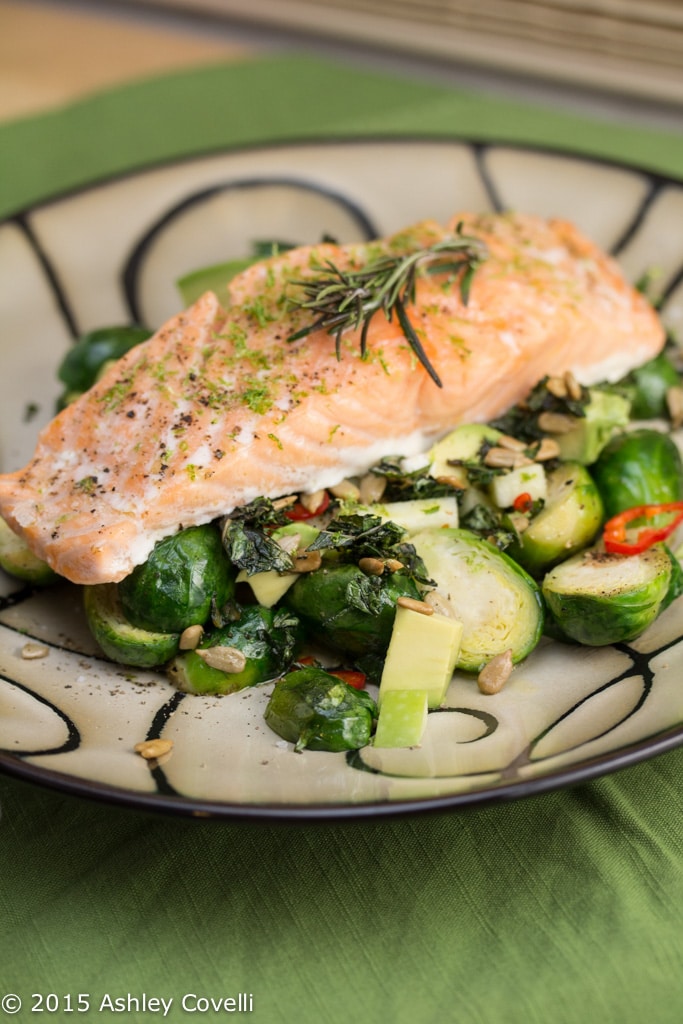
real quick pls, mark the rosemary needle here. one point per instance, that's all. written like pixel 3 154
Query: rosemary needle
pixel 342 300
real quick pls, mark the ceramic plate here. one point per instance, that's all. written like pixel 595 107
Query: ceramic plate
pixel 110 254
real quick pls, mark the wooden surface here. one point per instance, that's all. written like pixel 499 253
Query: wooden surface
pixel 52 53
pixel 622 46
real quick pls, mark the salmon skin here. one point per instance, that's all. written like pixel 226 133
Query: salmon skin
pixel 219 407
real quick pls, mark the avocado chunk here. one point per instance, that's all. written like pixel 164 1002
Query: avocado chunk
pixel 420 513
pixel 423 651
pixel 269 586
pixel 529 480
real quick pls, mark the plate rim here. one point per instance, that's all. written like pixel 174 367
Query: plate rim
pixel 176 805
pixel 476 143
pixel 591 769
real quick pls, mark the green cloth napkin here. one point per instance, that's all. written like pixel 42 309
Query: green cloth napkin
pixel 563 907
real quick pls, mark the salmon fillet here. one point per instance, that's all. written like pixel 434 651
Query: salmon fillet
pixel 218 407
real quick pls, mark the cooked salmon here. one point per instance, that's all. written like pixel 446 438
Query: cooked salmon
pixel 219 406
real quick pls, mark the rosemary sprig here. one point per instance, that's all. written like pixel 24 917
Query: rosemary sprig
pixel 342 300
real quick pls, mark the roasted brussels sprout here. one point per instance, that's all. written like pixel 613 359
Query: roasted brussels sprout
pixel 185 576
pixel 498 603
pixel 597 598
pixel 216 277
pixel 262 642
pixel 83 363
pixel 647 387
pixel 17 559
pixel 642 467
pixel 345 609
pixel 316 710
pixel 568 521
pixel 119 639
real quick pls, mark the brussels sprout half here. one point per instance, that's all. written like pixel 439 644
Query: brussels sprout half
pixel 343 608
pixel 316 710
pixel 118 638
pixel 568 521
pixel 597 598
pixel 266 638
pixel 183 578
pixel 17 559
pixel 498 603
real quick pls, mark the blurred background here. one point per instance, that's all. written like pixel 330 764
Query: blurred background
pixel 623 58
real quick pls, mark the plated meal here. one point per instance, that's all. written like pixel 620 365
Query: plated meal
pixel 362 507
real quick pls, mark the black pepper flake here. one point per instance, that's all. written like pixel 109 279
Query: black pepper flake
pixel 131 414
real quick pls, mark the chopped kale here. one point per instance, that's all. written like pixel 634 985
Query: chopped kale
pixel 521 420
pixel 487 523
pixel 405 486
pixel 367 536
pixel 247 542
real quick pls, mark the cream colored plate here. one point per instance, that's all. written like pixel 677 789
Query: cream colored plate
pixel 110 254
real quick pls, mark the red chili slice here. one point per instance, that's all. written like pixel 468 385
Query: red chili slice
pixel 297 512
pixel 614 533
pixel 523 502
pixel 354 678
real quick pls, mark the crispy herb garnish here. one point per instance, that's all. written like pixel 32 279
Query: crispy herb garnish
pixel 284 635
pixel 366 536
pixel 365 594
pixel 404 486
pixel 342 300
pixel 522 419
pixel 247 542
pixel 487 524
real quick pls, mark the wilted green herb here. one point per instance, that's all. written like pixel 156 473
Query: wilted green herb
pixel 404 486
pixel 357 536
pixel 247 542
pixel 486 523
pixel 521 420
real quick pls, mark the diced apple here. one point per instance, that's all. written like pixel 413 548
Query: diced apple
pixel 529 480
pixel 420 513
pixel 402 718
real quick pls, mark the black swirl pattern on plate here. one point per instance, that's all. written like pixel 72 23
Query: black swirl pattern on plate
pixel 513 784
